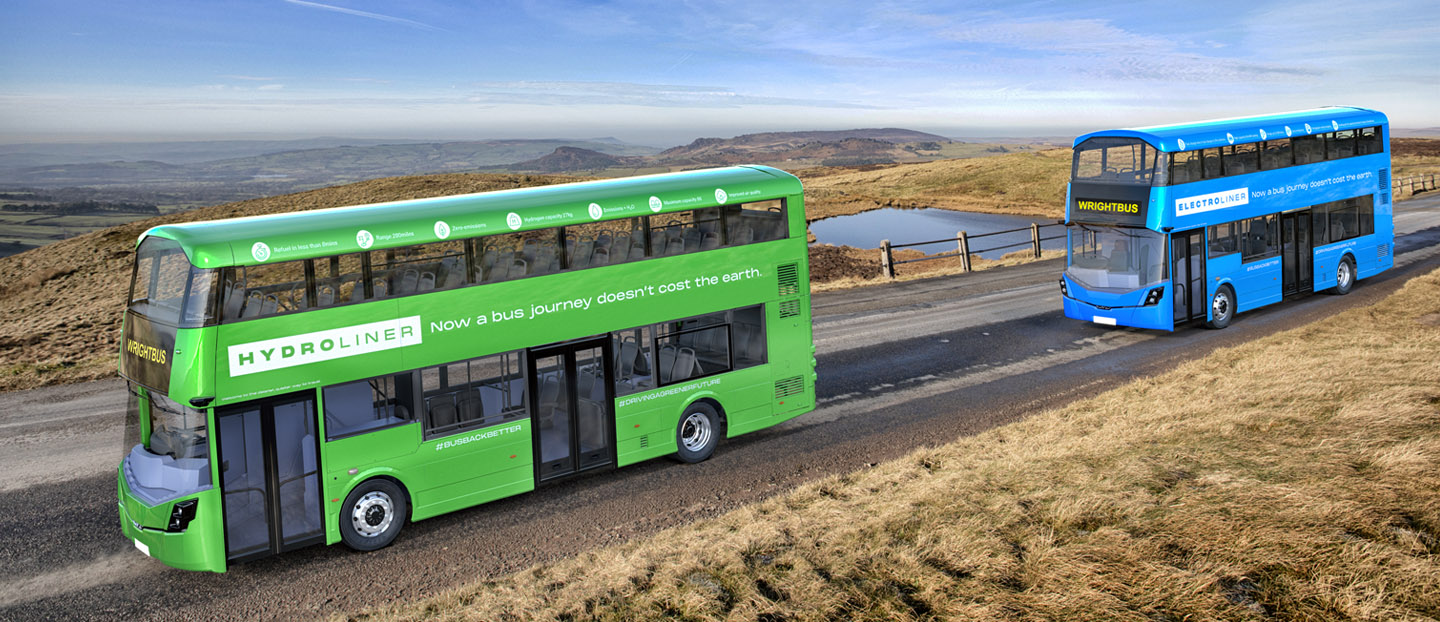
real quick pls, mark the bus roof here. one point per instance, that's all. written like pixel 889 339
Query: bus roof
pixel 325 232
pixel 1218 132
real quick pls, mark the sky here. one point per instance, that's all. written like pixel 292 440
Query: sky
pixel 665 72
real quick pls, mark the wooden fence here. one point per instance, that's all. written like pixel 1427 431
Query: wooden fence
pixel 1414 184
pixel 963 250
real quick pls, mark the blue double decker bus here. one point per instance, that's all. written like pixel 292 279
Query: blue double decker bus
pixel 1199 221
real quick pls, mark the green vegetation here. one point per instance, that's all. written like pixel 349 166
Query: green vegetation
pixel 1297 477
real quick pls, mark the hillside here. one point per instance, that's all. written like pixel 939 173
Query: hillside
pixel 567 159
pixel 60 304
pixel 300 167
pixel 1017 183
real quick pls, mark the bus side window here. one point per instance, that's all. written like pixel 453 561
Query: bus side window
pixel 1278 154
pixel 1212 163
pixel 1309 149
pixel 755 222
pixel 747 332
pixel 634 366
pixel 1319 223
pixel 1222 239
pixel 1241 159
pixel 1367 214
pixel 1185 167
pixel 369 404
pixel 1343 144
pixel 1369 141
pixel 1259 238
pixel 266 290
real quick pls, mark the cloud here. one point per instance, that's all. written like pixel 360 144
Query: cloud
pixel 366 14
pixel 270 87
pixel 250 78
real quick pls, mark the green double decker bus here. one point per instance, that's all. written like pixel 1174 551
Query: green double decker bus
pixel 330 375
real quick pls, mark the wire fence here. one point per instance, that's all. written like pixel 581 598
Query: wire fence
pixel 963 248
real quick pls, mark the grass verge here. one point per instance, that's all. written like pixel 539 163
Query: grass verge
pixel 1296 477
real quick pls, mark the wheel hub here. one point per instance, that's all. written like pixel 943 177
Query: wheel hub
pixel 695 432
pixel 372 514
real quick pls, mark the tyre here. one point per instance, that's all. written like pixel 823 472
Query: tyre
pixel 374 513
pixel 1344 277
pixel 698 433
pixel 1222 308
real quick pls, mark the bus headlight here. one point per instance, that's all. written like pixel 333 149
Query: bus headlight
pixel 181 514
pixel 1064 289
pixel 1153 298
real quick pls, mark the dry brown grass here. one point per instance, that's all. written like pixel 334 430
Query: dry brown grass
pixel 1031 184
pixel 847 276
pixel 1296 478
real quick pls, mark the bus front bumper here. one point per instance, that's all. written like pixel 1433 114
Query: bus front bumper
pixel 1127 309
pixel 200 545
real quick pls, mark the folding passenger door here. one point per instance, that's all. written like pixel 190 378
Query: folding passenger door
pixel 573 412
pixel 1187 262
pixel 270 476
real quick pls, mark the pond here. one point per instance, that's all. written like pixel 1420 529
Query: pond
pixel 902 226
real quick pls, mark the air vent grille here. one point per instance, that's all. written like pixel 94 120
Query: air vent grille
pixel 1382 250
pixel 1384 178
pixel 789 308
pixel 789 277
pixel 1384 198
pixel 644 441
pixel 786 387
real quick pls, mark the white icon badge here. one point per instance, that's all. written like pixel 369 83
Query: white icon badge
pixel 513 221
pixel 720 196
pixel 260 251
pixel 656 204
pixel 442 229
pixel 364 239
pixel 1181 143
pixel 595 211
pixel 1230 137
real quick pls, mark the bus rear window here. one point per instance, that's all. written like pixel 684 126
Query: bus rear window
pixel 166 288
pixel 1115 160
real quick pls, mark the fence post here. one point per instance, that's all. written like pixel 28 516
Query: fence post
pixel 964 242
pixel 1035 238
pixel 887 263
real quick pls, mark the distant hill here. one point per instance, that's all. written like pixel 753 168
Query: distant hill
pixel 567 159
pixel 783 149
pixel 305 168
pixel 24 155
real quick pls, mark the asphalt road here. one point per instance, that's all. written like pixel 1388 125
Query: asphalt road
pixel 901 366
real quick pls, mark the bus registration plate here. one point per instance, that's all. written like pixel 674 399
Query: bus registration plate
pixel 143 549
pixel 1108 321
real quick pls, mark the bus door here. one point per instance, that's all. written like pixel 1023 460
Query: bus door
pixel 1187 262
pixel 574 409
pixel 1296 251
pixel 269 476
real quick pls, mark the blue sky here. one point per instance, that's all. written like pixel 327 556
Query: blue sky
pixel 665 72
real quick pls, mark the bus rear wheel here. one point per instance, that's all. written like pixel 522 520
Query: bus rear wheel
pixel 698 433
pixel 1344 277
pixel 1222 308
pixel 373 515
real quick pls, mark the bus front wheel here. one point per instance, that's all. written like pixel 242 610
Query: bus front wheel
pixel 1222 308
pixel 374 513
pixel 1344 277
pixel 698 433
